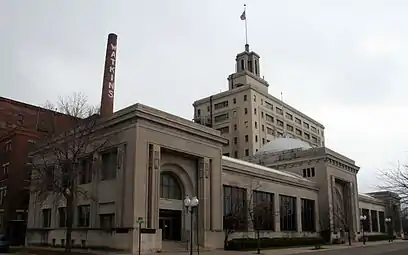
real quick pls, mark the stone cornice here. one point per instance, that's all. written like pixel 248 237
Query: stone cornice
pixel 371 200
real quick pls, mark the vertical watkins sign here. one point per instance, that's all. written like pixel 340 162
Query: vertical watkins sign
pixel 108 89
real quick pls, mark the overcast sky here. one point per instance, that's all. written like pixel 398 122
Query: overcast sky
pixel 343 63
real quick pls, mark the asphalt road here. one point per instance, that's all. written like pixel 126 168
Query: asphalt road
pixel 383 249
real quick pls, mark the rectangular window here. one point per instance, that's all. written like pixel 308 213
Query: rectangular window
pixel 247 152
pixel 20 119
pixel 107 221
pixel 109 164
pixel 269 131
pixel 307 136
pixel 313 129
pixel 6 169
pixel 314 139
pixel 246 138
pixel 279 111
pixel 279 123
pixel 62 217
pixel 288 213
pixel 366 223
pixel 235 140
pixel 7 146
pixel 374 221
pixel 308 215
pixel 235 154
pixel 298 131
pixel 224 130
pixel 289 127
pixel 221 117
pixel 289 116
pixel 83 215
pixel 46 216
pixel 269 105
pixel 245 97
pixel 306 125
pixel 221 105
pixel 381 217
pixel 234 101
pixel 85 175
pixel 245 110
pixel 298 121
pixel 263 211
pixel 269 118
pixel 226 154
pixel 235 208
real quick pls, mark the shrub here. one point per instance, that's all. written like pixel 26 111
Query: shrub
pixel 242 244
pixel 373 238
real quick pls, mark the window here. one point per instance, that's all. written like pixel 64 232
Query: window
pixel 221 117
pixel 234 114
pixel 279 111
pixel 208 108
pixel 256 138
pixel 235 140
pixel 83 215
pixel 3 193
pixel 256 67
pixel 242 64
pixel 169 187
pixel 313 171
pixel 269 105
pixel 235 208
pixel 255 111
pixel 245 97
pixel 313 129
pixel 62 217
pixel 298 121
pixel 46 216
pixel 198 112
pixel 250 67
pixel 289 116
pixel 374 221
pixel 256 125
pixel 7 146
pixel 246 138
pixel 226 154
pixel 306 125
pixel 109 164
pixel 263 140
pixel 381 218
pixel 221 105
pixel 309 172
pixel 279 123
pixel 263 128
pixel 280 134
pixel 6 169
pixel 261 101
pixel 246 152
pixel 262 115
pixel 308 215
pixel 246 124
pixel 234 101
pixel 254 98
pixel 263 211
pixel 245 110
pixel 314 139
pixel 288 213
pixel 269 118
pixel 289 127
pixel 235 154
pixel 307 136
pixel 20 119
pixel 224 130
pixel 235 126
pixel 366 223
pixel 298 131
pixel 85 175
pixel 269 131
pixel 304 172
pixel 106 221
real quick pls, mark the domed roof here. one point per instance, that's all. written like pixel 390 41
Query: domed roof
pixel 283 144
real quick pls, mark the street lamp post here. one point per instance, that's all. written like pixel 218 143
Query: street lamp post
pixel 362 219
pixel 390 232
pixel 190 204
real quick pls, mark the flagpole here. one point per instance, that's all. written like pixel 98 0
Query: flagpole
pixel 246 26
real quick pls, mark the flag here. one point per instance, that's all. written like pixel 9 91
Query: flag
pixel 243 16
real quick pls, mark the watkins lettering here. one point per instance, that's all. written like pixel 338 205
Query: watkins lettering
pixel 111 70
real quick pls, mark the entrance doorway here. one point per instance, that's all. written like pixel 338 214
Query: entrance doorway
pixel 170 224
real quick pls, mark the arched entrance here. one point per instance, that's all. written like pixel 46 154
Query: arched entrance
pixel 171 206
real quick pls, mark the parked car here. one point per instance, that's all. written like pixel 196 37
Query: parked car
pixel 4 244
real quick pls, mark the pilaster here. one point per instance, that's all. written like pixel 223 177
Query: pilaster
pixel 277 212
pixel 204 207
pixel 299 214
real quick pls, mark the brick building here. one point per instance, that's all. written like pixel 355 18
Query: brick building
pixel 21 125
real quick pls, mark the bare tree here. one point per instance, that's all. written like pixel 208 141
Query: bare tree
pixel 395 180
pixel 60 161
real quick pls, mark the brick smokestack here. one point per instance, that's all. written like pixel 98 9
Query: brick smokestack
pixel 108 87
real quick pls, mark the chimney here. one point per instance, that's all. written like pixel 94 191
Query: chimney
pixel 108 85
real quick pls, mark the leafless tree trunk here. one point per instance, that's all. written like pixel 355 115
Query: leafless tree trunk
pixel 396 180
pixel 65 152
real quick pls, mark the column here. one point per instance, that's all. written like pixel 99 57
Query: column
pixel 276 204
pixel 317 218
pixel 216 200
pixel 378 221
pixel 370 220
pixel 154 186
pixel 299 214
pixel 204 213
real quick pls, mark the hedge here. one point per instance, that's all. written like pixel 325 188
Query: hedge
pixel 242 244
pixel 373 238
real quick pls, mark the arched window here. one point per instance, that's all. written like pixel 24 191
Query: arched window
pixel 169 187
